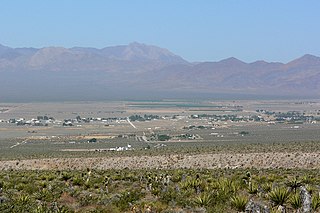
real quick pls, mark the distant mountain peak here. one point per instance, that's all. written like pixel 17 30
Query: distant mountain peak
pixel 259 62
pixel 137 44
pixel 47 55
pixel 306 59
pixel 309 57
pixel 143 52
pixel 147 48
pixel 231 60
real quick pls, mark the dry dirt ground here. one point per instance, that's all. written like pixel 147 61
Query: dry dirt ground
pixel 210 161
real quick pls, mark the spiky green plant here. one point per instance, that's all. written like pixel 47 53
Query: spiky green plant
pixel 315 202
pixel 279 196
pixel 267 187
pixel 275 210
pixel 239 202
pixel 310 188
pixel 193 183
pixel 41 209
pixel 295 201
pixel 24 199
pixel 203 199
pixel 63 209
pixel 294 184
pixel 225 185
pixel 184 185
pixel 224 189
pixel 252 188
pixel 306 179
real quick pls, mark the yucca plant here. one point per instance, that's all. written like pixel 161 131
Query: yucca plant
pixel 295 201
pixel 23 199
pixel 225 185
pixel 239 202
pixel 188 182
pixel 267 187
pixel 203 200
pixel 195 184
pixel 78 181
pixel 41 209
pixel 63 209
pixel 310 189
pixel 315 202
pixel 252 188
pixel 279 196
pixel 235 186
pixel 44 195
pixel 294 184
pixel 306 179
pixel 66 176
pixel 275 210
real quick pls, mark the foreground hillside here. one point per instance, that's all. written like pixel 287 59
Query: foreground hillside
pixel 181 190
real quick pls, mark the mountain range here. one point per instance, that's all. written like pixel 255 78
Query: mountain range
pixel 145 71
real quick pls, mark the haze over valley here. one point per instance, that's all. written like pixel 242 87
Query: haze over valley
pixel 144 71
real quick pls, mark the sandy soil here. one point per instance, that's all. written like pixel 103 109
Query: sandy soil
pixel 250 160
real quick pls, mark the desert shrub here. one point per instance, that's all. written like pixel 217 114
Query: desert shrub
pixel 78 181
pixel 86 198
pixel 239 202
pixel 23 203
pixel 295 201
pixel 204 199
pixel 279 196
pixel 63 209
pixel 252 188
pixel 267 187
pixel 219 190
pixel 294 183
pixel 127 198
pixel 315 204
pixel 168 196
pixel 41 209
pixel 66 176
pixel 44 195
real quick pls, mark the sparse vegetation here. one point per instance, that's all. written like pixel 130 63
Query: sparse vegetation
pixel 159 190
pixel 182 161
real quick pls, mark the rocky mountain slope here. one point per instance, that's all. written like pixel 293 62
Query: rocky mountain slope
pixel 138 70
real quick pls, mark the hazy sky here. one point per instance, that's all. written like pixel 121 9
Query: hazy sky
pixel 197 30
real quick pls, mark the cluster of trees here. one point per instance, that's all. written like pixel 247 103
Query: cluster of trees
pixel 143 118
